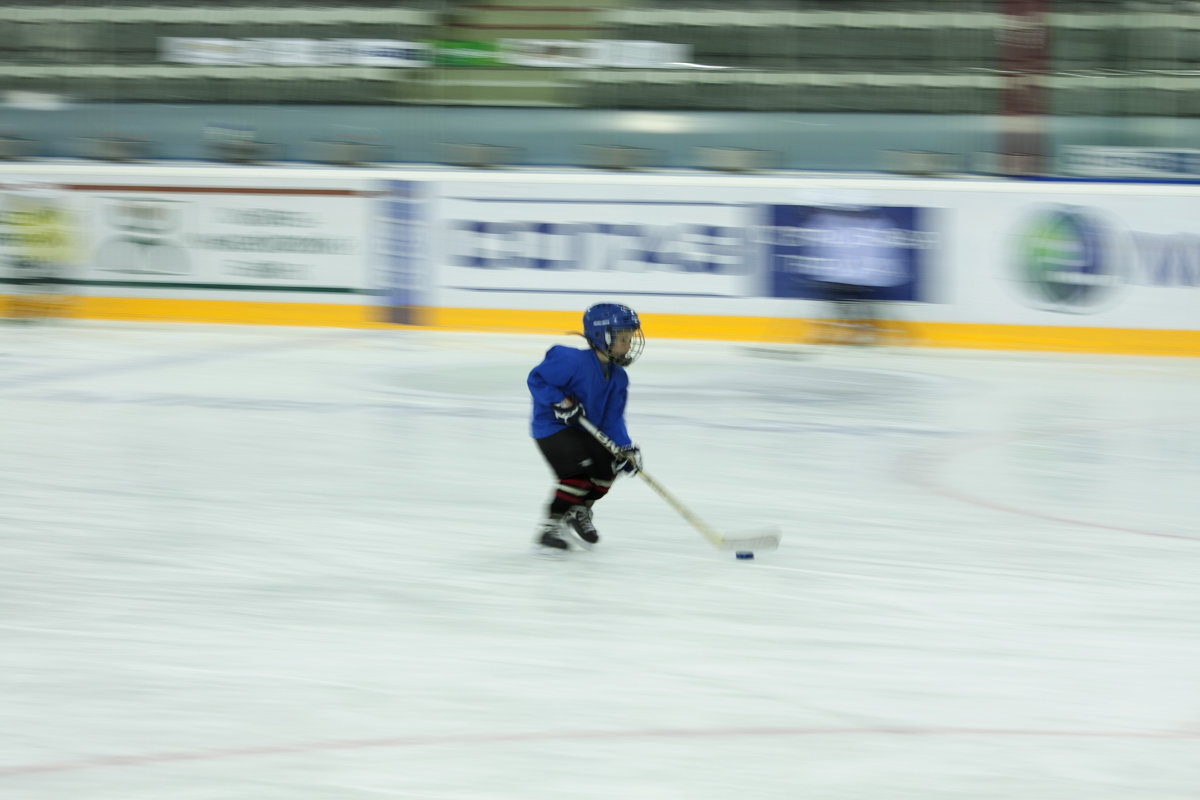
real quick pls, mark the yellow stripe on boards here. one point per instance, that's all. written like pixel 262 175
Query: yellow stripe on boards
pixel 228 312
pixel 503 320
pixel 1043 338
pixel 1050 338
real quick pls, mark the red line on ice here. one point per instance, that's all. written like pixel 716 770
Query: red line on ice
pixel 106 762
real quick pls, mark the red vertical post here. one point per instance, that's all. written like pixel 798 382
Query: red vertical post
pixel 1023 48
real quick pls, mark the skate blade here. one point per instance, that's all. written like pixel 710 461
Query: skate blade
pixel 578 541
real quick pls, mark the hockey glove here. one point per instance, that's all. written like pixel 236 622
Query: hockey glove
pixel 630 460
pixel 568 411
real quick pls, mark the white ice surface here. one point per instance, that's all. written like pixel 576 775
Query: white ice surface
pixel 272 564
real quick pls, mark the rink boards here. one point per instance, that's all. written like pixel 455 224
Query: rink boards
pixel 1073 266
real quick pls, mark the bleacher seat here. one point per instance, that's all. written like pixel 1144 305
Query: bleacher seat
pixel 784 55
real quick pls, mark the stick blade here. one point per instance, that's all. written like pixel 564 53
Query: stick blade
pixel 765 539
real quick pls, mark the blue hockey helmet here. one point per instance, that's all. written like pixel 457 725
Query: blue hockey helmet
pixel 603 320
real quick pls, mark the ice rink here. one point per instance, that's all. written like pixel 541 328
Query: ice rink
pixel 288 564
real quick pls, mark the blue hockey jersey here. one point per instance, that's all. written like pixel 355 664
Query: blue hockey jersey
pixel 578 374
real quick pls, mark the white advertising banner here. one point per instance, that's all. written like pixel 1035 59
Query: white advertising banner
pixel 1130 162
pixel 685 246
pixel 38 231
pixel 546 52
pixel 646 55
pixel 295 52
pixel 220 240
pixel 392 53
pixel 593 53
pixel 377 52
pixel 1058 254
pixel 178 50
pixel 1072 255
pixel 1042 254
pixel 1101 259
pixel 505 246
pixel 286 52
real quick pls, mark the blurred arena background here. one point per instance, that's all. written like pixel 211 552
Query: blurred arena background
pixel 964 133
pixel 376 81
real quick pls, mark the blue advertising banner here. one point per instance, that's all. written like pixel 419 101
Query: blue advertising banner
pixel 402 225
pixel 885 248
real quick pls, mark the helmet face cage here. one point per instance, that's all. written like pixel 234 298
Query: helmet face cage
pixel 603 321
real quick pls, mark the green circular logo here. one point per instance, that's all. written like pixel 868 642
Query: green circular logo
pixel 1066 262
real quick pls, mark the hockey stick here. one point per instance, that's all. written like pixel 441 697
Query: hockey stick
pixel 758 540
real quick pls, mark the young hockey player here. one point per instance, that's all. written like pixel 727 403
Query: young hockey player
pixel 571 383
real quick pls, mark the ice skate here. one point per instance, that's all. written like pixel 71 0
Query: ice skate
pixel 580 528
pixel 549 542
